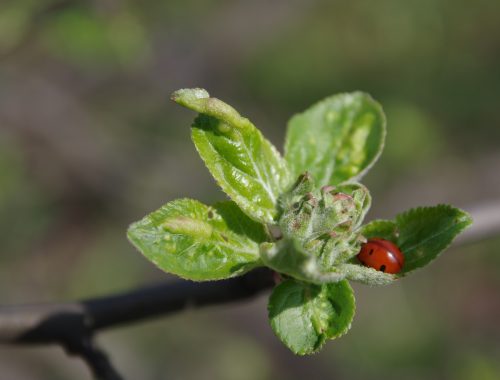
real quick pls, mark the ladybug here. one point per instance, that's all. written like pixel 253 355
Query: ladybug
pixel 382 255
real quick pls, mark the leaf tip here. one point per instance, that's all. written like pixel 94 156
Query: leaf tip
pixel 464 218
pixel 133 236
pixel 185 96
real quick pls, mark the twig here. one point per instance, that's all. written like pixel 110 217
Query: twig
pixel 96 359
pixel 73 324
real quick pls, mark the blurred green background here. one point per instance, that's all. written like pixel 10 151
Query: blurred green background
pixel 89 143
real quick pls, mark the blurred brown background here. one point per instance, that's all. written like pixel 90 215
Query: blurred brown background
pixel 89 143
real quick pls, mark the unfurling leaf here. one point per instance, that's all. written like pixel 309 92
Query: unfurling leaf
pixel 199 242
pixel 246 166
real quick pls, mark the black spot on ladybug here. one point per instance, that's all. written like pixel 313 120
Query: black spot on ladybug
pixel 371 252
pixel 382 268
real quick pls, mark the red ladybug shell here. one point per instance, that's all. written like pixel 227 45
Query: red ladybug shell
pixel 382 255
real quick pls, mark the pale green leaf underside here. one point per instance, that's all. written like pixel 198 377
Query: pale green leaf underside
pixel 199 242
pixel 289 257
pixel 304 316
pixel 246 166
pixel 337 139
pixel 421 233
pixel 365 275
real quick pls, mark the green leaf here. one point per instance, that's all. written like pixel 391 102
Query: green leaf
pixel 385 229
pixel 246 166
pixel 421 233
pixel 337 139
pixel 199 242
pixel 304 316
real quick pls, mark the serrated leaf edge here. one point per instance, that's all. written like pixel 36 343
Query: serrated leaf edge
pixel 466 221
pixel 258 263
